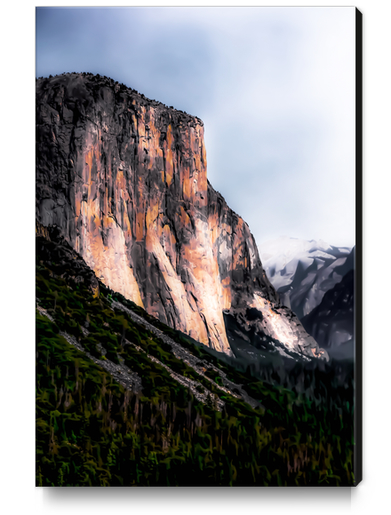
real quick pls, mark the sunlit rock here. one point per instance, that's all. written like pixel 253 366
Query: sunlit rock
pixel 125 180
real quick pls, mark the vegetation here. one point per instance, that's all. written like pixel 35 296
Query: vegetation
pixel 97 81
pixel 91 430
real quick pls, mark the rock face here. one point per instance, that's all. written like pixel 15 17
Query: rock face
pixel 124 178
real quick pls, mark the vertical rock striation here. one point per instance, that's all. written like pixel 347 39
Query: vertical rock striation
pixel 125 180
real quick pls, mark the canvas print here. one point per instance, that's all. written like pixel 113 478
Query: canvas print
pixel 198 247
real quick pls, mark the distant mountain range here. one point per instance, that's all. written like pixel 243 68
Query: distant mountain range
pixel 303 271
pixel 315 280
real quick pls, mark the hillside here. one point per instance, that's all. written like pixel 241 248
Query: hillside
pixel 123 399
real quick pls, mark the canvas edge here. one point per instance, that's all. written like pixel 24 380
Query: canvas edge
pixel 358 281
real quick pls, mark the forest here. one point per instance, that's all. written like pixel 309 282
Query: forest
pixel 169 422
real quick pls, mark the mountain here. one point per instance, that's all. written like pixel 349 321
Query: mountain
pixel 331 323
pixel 124 400
pixel 124 180
pixel 303 271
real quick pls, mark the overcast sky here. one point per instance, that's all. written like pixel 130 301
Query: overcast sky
pixel 274 86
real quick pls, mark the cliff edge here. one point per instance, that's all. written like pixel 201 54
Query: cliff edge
pixel 124 178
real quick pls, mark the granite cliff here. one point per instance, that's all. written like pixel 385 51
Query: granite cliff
pixel 124 179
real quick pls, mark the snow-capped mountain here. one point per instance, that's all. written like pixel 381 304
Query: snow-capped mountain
pixel 303 271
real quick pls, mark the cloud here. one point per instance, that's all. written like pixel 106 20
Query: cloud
pixel 274 86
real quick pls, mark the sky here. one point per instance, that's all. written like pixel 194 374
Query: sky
pixel 275 88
